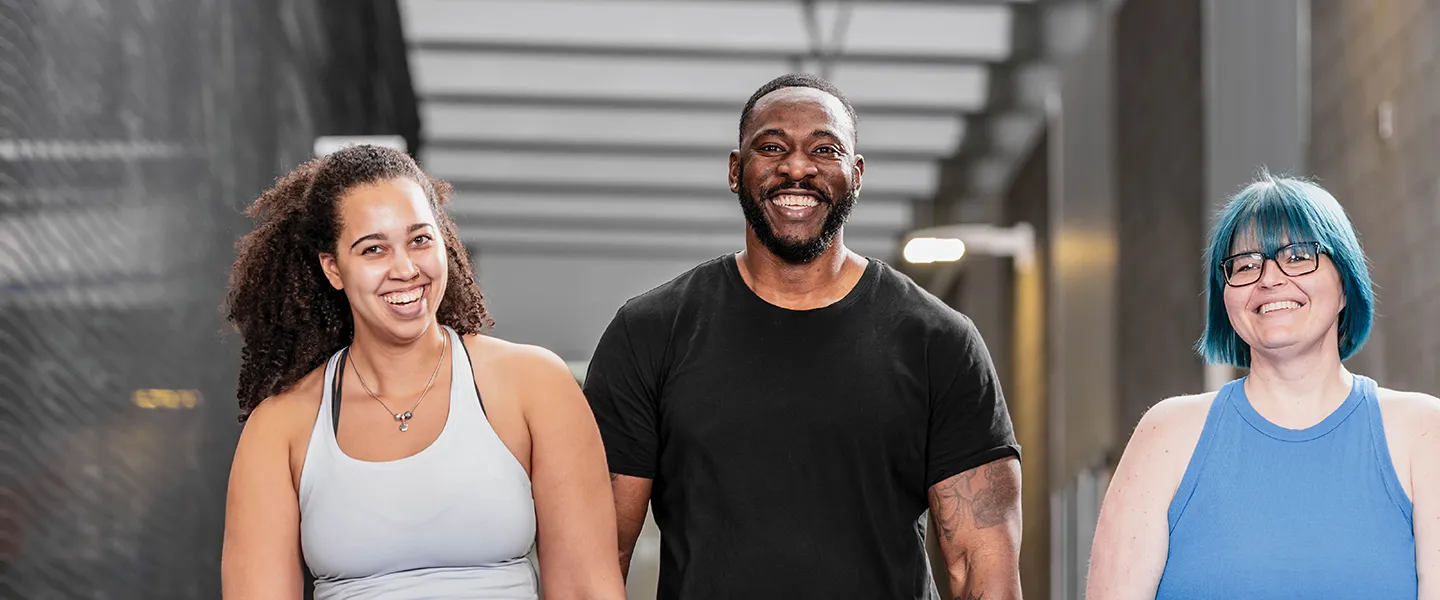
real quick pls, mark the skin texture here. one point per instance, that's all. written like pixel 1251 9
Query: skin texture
pixel 979 520
pixel 388 242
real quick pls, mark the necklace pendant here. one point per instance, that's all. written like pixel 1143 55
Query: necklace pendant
pixel 407 416
pixel 404 426
pixel 399 417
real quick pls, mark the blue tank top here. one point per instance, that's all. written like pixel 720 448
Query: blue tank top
pixel 1269 512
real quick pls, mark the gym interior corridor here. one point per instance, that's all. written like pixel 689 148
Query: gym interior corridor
pixel 1077 148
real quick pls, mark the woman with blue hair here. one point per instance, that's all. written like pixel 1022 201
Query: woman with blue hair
pixel 1301 479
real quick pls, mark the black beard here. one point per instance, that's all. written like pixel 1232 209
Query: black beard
pixel 796 252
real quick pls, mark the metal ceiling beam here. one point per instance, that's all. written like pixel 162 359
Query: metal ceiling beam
pixel 633 148
pixel 621 211
pixel 512 240
pixel 952 88
pixel 794 58
pixel 491 99
pixel 914 178
pixel 967 31
pixel 619 129
pixel 587 226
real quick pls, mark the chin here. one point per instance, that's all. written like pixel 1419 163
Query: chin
pixel 403 329
pixel 1284 344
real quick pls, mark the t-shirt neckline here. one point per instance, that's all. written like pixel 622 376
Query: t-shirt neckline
pixel 732 270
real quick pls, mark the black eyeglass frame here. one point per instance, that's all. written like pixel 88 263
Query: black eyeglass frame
pixel 1266 257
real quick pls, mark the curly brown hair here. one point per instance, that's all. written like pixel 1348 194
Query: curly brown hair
pixel 290 318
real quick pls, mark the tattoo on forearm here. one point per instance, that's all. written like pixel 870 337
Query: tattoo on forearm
pixel 986 494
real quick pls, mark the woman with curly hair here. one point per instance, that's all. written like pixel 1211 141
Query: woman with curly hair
pixel 387 445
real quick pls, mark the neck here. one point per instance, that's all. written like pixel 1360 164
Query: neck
pixel 391 366
pixel 815 284
pixel 1298 387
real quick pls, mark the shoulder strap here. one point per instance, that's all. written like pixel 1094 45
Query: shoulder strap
pixel 460 341
pixel 335 391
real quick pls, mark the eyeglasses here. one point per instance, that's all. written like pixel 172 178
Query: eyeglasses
pixel 1301 258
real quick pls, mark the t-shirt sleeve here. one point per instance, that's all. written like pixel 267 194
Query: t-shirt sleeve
pixel 969 422
pixel 621 387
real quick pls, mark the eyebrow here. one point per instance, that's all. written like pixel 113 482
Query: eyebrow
pixel 381 236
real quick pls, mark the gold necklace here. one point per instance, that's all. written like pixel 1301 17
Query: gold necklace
pixel 404 418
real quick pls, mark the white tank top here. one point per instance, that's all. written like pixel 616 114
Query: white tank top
pixel 453 521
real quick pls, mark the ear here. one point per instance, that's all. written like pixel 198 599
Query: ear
pixel 859 171
pixel 734 170
pixel 331 267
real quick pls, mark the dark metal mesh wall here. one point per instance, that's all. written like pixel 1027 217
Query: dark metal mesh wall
pixel 132 133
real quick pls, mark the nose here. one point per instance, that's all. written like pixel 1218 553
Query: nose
pixel 797 165
pixel 1271 276
pixel 403 268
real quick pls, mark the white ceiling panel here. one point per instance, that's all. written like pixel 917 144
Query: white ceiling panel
pixel 769 25
pixel 718 210
pixel 939 135
pixel 922 29
pixel 655 243
pixel 575 76
pixel 943 87
pixel 958 87
pixel 904 177
pixel 980 32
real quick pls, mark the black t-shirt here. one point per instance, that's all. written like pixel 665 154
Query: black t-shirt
pixel 792 451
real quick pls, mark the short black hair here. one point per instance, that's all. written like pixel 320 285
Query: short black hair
pixel 797 80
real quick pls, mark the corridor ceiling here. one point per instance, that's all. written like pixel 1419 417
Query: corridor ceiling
pixel 602 126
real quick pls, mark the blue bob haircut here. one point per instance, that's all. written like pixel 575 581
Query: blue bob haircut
pixel 1272 209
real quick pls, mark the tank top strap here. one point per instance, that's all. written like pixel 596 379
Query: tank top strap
pixel 1370 400
pixel 467 412
pixel 318 451
pixel 466 398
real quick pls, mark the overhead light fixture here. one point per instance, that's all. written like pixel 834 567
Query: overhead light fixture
pixel 924 250
pixel 948 243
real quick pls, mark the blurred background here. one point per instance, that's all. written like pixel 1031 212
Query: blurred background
pixel 1077 148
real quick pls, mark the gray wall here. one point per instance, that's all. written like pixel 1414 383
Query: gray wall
pixel 1081 292
pixel 563 303
pixel 1028 201
pixel 1159 185
pixel 1365 57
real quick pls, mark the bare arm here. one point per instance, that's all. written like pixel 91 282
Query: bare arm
pixel 1425 485
pixel 632 496
pixel 575 519
pixel 1132 537
pixel 978 513
pixel 261 554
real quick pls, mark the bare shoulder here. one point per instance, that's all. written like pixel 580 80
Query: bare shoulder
pixel 1408 404
pixel 1165 439
pixel 535 376
pixel 289 415
pixel 1180 417
pixel 278 430
pixel 1413 414
pixel 518 360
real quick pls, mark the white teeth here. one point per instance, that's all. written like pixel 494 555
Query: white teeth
pixel 1274 306
pixel 794 201
pixel 404 297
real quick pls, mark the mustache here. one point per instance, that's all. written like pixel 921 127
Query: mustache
pixel 806 185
